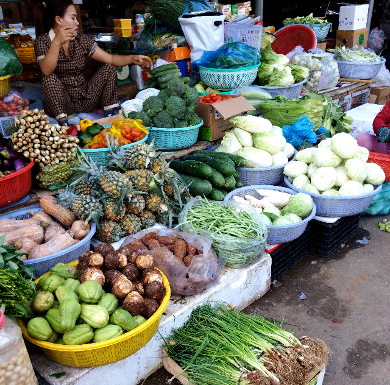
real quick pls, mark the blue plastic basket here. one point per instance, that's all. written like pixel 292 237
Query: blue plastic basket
pixel 276 234
pixel 44 264
pixel 173 138
pixel 353 70
pixel 227 79
pixel 7 125
pixel 320 31
pixel 343 206
pixel 291 92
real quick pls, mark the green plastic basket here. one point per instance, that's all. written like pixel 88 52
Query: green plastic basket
pixel 173 138
pixel 228 79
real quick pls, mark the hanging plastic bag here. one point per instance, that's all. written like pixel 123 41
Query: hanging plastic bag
pixel 380 204
pixel 13 104
pixel 382 79
pixel 376 40
pixel 9 63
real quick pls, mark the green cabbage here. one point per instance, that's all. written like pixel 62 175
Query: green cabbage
pixel 300 181
pixel 375 174
pixel 280 78
pixel 269 56
pixel 331 192
pixel 324 178
pixel 325 157
pixel 295 168
pixel 310 189
pixel 344 145
pixel 300 204
pixel 268 142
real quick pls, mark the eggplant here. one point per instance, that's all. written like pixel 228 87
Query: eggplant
pixel 18 164
pixel 8 164
pixel 14 155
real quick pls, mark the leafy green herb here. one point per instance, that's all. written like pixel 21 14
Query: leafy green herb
pixel 306 20
pixel 58 375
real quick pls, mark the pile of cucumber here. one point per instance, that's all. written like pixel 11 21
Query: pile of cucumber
pixel 159 77
pixel 210 174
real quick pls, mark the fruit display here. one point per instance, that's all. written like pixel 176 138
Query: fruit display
pixel 108 294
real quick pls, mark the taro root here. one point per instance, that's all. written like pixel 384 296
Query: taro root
pixel 167 240
pixel 151 306
pixel 171 248
pixel 93 273
pixel 126 251
pixel 134 303
pixel 187 260
pixel 104 249
pixel 85 256
pixel 180 249
pixel 115 261
pixel 82 266
pixel 122 287
pixel 139 288
pixel 148 236
pixel 144 261
pixel 191 250
pixel 155 290
pixel 93 260
pixel 136 245
pixel 131 272
pixel 150 275
pixel 153 244
pixel 112 276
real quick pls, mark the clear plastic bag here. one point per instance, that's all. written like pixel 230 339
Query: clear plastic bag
pixel 323 70
pixel 9 63
pixel 232 251
pixel 380 204
pixel 13 104
pixel 382 79
pixel 376 40
pixel 203 271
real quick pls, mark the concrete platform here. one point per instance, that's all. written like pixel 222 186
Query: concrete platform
pixel 240 287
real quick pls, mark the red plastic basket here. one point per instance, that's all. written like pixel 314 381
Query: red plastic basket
pixel 15 186
pixel 287 38
pixel 382 160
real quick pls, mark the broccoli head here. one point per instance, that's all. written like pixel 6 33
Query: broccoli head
pixel 192 119
pixel 176 107
pixel 176 87
pixel 153 105
pixel 132 115
pixel 146 120
pixel 179 123
pixel 164 96
pixel 191 97
pixel 163 120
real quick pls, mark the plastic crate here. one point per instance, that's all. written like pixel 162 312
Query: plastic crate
pixel 227 79
pixel 360 97
pixel 353 70
pixel 248 34
pixel 6 125
pixel 326 238
pixel 291 92
pixel 44 264
pixel 382 160
pixel 173 138
pixel 276 234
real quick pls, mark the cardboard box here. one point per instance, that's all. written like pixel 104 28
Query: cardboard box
pixel 321 45
pixel 353 17
pixel 174 54
pixel 382 94
pixel 11 12
pixel 216 116
pixel 351 38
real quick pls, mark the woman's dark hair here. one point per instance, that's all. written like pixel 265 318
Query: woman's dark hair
pixel 54 8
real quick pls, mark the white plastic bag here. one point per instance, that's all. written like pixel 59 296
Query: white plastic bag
pixel 382 79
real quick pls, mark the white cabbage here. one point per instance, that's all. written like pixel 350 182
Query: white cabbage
pixel 368 188
pixel 325 157
pixel 229 143
pixel 351 188
pixel 276 130
pixel 375 175
pixel 331 192
pixel 279 159
pixel 305 155
pixel 255 158
pixel 362 154
pixel 311 170
pixel 288 150
pixel 295 168
pixel 252 123
pixel 344 145
pixel 341 175
pixel 324 178
pixel 300 181
pixel 244 137
pixel 310 189
pixel 356 170
pixel 325 143
pixel 268 142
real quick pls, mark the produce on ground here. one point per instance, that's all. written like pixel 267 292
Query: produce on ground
pixel 10 160
pixel 384 225
pixel 310 19
pixel 355 56
pixel 42 142
pixel 219 345
pixel 111 292
pixel 338 167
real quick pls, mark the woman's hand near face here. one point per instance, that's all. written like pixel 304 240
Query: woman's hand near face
pixel 65 34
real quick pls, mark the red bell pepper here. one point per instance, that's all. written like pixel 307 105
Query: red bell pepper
pixel 72 130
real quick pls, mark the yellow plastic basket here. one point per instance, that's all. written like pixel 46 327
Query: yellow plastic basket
pixel 5 83
pixel 106 352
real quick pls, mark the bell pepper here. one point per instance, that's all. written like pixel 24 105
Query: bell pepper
pixel 72 130
pixel 94 129
pixel 83 136
pixel 84 123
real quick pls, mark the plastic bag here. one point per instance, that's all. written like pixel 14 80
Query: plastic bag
pixel 380 204
pixel 9 63
pixel 229 56
pixel 376 40
pixel 300 130
pixel 323 70
pixel 13 104
pixel 382 79
pixel 203 271
pixel 232 251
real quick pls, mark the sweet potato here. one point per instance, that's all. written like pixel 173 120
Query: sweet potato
pixel 43 218
pixel 65 216
pixel 7 225
pixel 171 247
pixel 188 259
pixel 167 240
pixel 191 250
pixel 34 232
pixel 52 230
pixel 136 245
pixel 151 235
pixel 57 243
pixel 25 245
pixel 180 249
pixel 153 244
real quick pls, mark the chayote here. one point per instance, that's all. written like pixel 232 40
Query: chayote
pixel 64 271
pixel 107 332
pixel 63 293
pixel 39 329
pixel 80 334
pixel 50 283
pixel 90 291
pixel 124 319
pixel 109 301
pixel 94 315
pixel 72 284
pixel 138 320
pixel 53 317
pixel 69 312
pixel 42 301
pixel 53 338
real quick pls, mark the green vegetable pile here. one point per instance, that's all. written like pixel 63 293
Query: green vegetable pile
pixel 10 63
pixel 306 20
pixel 167 11
pixel 334 119
pixel 384 226
pixel 355 56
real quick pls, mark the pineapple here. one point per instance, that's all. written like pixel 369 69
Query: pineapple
pixel 148 219
pixel 130 224
pixel 66 198
pixel 155 204
pixel 86 206
pixel 137 156
pixel 136 204
pixel 113 182
pixel 84 186
pixel 168 189
pixel 158 166
pixel 140 179
pixel 110 232
pixel 114 210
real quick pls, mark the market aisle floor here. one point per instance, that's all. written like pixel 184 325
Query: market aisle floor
pixel 347 305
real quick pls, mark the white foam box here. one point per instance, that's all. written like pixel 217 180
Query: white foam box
pixel 239 287
pixel 363 116
pixel 353 17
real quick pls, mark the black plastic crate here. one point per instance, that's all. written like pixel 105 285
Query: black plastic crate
pixel 288 254
pixel 326 238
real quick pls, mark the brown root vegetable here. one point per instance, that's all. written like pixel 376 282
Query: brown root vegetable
pixel 155 290
pixel 105 249
pixel 115 261
pixel 153 244
pixel 150 307
pixel 151 275
pixel 80 229
pixel 93 274
pixel 139 288
pixel 42 217
pixel 96 260
pixel 53 230
pixel 34 232
pixel 112 276
pixel 7 225
pixel 144 261
pixel 191 250
pixel 136 245
pixel 58 243
pixel 171 248
pixel 180 249
pixel 25 245
pixel 122 287
pixel 167 240
pixel 65 216
pixel 126 251
pixel 187 260
pixel 134 303
pixel 85 256
pixel 148 236
pixel 131 272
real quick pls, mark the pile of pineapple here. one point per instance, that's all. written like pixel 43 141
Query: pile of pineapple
pixel 132 191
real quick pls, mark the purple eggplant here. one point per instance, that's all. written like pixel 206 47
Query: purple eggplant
pixel 14 155
pixel 8 164
pixel 18 164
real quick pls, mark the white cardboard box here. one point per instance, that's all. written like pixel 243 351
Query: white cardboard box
pixel 353 17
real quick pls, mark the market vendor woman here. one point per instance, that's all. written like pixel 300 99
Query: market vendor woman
pixel 61 56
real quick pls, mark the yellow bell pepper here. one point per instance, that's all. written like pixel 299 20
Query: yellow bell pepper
pixel 84 123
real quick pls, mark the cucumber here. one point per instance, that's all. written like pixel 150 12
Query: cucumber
pixel 196 185
pixel 162 68
pixel 230 183
pixel 167 72
pixel 151 83
pixel 216 195
pixel 238 160
pixel 167 78
pixel 185 79
pixel 239 183
pixel 224 165
pixel 216 178
pixel 236 174
pixel 192 167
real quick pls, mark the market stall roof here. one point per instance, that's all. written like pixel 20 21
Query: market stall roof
pixel 289 37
